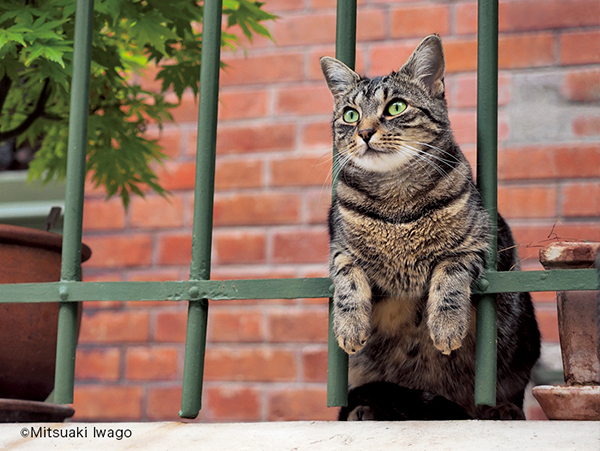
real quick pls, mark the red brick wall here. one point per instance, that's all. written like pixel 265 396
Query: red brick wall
pixel 266 360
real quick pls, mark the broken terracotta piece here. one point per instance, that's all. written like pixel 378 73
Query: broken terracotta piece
pixel 578 315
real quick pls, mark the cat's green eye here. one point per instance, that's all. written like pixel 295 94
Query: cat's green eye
pixel 396 107
pixel 350 116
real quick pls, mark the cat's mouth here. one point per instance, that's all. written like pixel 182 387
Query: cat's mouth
pixel 371 151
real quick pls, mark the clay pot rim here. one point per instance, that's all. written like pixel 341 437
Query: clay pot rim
pixel 11 234
pixel 9 404
pixel 569 254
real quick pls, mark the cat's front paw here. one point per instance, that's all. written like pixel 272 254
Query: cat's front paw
pixel 351 324
pixel 448 330
pixel 505 411
pixel 362 413
pixel 448 307
pixel 352 334
pixel 351 304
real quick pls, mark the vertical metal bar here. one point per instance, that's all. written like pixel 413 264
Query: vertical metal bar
pixel 487 180
pixel 191 397
pixel 71 251
pixel 337 359
pixel 345 49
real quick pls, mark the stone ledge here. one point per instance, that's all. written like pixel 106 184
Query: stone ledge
pixel 308 436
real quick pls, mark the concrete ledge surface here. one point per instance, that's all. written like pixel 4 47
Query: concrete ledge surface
pixel 310 436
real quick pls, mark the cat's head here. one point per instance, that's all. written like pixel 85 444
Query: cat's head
pixel 384 123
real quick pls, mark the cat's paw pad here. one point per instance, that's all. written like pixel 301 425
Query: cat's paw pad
pixel 506 411
pixel 354 340
pixel 352 334
pixel 447 334
pixel 361 413
pixel 446 344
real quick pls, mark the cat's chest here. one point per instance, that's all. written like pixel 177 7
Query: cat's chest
pixel 397 256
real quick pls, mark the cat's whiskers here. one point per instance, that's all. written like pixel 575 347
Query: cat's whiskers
pixel 419 156
pixel 405 150
pixel 445 161
pixel 336 168
pixel 416 155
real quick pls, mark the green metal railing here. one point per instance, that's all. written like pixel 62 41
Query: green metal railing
pixel 199 288
pixel 487 181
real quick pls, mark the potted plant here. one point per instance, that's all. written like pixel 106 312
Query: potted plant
pixel 28 330
pixel 36 55
pixel 36 52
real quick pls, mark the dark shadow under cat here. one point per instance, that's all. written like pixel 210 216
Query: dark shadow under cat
pixel 386 401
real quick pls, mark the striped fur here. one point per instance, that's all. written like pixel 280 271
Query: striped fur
pixel 409 237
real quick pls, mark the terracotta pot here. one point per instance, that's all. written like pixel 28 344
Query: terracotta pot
pixel 578 315
pixel 28 331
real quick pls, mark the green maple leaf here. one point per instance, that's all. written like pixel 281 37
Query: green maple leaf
pixel 152 31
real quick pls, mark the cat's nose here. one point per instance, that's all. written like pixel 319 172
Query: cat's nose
pixel 366 134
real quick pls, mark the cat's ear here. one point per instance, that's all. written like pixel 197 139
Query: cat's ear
pixel 426 64
pixel 340 78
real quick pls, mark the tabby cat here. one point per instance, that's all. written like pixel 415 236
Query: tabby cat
pixel 409 237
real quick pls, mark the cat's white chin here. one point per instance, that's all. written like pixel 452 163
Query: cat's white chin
pixel 381 162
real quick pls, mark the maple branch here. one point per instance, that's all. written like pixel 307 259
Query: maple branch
pixel 38 111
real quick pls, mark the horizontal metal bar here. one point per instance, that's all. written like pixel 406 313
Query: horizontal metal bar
pixel 216 290
pixel 551 280
pixel 167 291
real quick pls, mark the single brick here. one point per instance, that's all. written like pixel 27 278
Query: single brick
pixel 119 250
pixel 98 364
pixel 234 174
pixel 235 325
pixel 302 171
pixel 303 100
pixel 420 21
pixel 303 404
pixel 580 47
pixel 240 247
pixel 103 214
pixel 156 212
pixel 301 246
pixel 270 68
pixel 314 364
pixel 581 199
pixel 527 201
pixel 582 85
pixel 307 325
pixel 531 15
pixel 114 327
pixel 171 326
pixel 164 403
pixel 151 363
pixel 242 104
pixel 256 209
pixel 530 50
pixel 174 248
pixel 256 364
pixel 254 138
pixel 585 126
pixel 108 403
pixel 233 403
